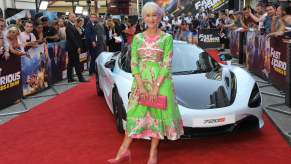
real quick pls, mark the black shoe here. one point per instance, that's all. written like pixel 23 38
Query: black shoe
pixel 71 80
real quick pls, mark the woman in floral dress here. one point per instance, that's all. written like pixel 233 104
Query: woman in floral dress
pixel 151 55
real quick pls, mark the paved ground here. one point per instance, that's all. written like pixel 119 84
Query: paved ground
pixel 281 116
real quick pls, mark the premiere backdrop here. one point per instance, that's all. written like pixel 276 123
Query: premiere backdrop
pixel 35 68
pixel 10 79
pixel 193 6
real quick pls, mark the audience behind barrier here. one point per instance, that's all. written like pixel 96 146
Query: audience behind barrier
pixel 268 18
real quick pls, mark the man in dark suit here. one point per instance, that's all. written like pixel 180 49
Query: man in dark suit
pixel 74 49
pixel 95 40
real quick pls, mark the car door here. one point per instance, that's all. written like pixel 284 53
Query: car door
pixel 107 81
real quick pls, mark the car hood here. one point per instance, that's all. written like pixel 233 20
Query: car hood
pixel 215 89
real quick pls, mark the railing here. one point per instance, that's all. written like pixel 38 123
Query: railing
pixel 39 69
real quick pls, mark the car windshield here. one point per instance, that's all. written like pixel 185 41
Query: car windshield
pixel 189 59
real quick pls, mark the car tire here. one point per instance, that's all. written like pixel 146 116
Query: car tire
pixel 98 89
pixel 118 110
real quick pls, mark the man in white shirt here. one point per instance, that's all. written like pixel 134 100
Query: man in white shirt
pixel 176 21
pixel 166 17
pixel 27 38
pixel 188 19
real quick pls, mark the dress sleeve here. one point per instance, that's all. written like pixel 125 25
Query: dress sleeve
pixel 134 57
pixel 167 56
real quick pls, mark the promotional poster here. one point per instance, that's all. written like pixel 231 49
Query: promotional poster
pixel 58 57
pixel 35 68
pixel 193 6
pixel 278 60
pixel 257 58
pixel 267 58
pixel 234 43
pixel 209 38
pixel 10 79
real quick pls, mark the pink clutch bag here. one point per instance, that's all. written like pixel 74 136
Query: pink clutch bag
pixel 160 103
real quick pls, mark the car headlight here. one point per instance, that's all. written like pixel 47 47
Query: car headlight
pixel 255 98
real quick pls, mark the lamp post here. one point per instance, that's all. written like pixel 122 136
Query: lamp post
pixel 36 6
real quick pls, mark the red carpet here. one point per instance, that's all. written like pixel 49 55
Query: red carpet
pixel 77 128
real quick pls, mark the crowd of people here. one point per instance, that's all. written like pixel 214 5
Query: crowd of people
pixel 95 34
pixel 270 19
pixel 91 34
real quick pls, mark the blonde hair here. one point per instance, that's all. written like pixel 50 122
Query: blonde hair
pixel 12 32
pixel 152 7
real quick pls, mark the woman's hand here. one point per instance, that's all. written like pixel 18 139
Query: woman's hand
pixel 153 95
pixel 142 92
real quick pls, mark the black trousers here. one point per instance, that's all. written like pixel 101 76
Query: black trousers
pixel 93 52
pixel 74 61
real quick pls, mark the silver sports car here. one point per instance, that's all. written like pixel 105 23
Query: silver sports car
pixel 212 97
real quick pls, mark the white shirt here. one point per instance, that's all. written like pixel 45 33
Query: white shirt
pixel 62 32
pixel 166 18
pixel 177 22
pixel 261 20
pixel 24 37
pixel 188 19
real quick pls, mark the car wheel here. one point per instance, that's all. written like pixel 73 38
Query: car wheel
pixel 98 89
pixel 119 111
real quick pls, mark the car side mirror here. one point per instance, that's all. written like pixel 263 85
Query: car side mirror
pixel 110 64
pixel 225 57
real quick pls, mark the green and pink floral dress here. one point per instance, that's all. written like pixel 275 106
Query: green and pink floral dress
pixel 151 58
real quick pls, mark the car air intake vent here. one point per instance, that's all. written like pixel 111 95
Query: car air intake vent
pixel 226 79
pixel 255 98
pixel 219 98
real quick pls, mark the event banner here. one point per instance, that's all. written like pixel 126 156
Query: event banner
pixel 35 69
pixel 193 6
pixel 10 79
pixel 58 61
pixel 267 57
pixel 234 43
pixel 209 38
pixel 278 63
pixel 257 54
